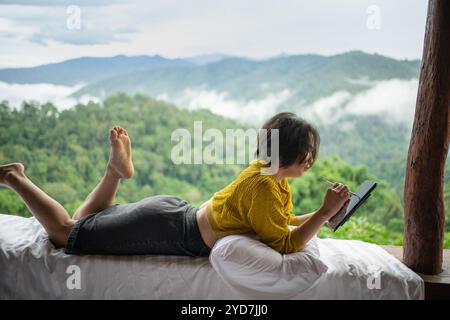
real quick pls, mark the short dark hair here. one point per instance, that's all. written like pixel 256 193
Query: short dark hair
pixel 296 137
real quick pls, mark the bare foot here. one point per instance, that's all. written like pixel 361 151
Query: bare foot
pixel 11 171
pixel 120 162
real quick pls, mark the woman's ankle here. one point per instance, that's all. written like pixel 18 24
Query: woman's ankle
pixel 110 173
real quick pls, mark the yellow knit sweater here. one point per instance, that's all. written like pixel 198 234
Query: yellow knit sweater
pixel 255 203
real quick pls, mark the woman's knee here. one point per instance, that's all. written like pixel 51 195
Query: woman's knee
pixel 60 235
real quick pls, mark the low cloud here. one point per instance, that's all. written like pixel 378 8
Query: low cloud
pixel 15 94
pixel 395 99
pixel 254 111
pixel 327 109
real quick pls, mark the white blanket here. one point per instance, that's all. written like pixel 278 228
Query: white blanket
pixel 31 268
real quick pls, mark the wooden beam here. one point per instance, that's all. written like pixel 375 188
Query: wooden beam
pixel 424 181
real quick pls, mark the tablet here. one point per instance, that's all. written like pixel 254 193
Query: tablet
pixel 363 193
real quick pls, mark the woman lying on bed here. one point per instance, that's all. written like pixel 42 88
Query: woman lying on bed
pixel 164 224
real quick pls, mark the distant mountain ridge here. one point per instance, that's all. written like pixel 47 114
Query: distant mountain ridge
pixel 206 58
pixel 305 78
pixel 300 79
pixel 87 69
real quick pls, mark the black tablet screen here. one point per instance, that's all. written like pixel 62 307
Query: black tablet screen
pixel 363 192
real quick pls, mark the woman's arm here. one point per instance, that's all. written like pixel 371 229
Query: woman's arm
pixel 334 200
pixel 309 228
pixel 299 220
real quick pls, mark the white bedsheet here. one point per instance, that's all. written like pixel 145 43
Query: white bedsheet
pixel 31 268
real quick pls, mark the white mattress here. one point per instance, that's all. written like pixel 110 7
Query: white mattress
pixel 31 268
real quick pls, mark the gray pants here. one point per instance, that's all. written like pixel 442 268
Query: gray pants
pixel 154 225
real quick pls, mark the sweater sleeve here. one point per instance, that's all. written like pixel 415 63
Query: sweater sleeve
pixel 290 206
pixel 269 220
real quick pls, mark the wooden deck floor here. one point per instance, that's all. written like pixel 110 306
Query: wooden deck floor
pixel 436 286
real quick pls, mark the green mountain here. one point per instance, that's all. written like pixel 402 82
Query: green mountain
pixel 371 141
pixel 306 77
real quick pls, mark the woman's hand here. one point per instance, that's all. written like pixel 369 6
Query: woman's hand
pixel 335 199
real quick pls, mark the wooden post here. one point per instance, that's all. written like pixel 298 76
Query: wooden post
pixel 423 196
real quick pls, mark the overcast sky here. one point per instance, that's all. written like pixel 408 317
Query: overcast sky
pixel 38 32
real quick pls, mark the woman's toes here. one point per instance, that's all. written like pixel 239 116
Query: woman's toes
pixel 113 134
pixel 11 171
